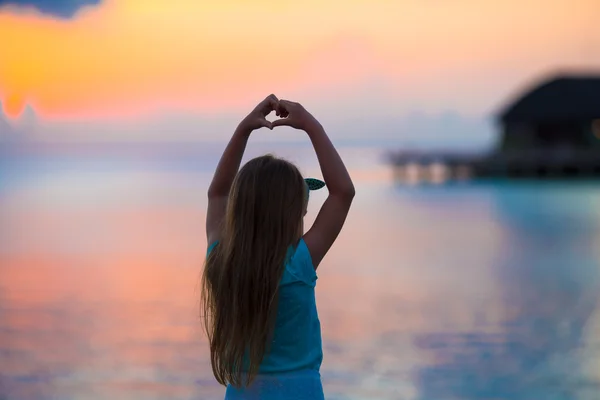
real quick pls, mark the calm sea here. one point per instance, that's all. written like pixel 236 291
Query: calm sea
pixel 462 291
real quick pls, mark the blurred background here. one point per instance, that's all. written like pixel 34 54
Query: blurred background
pixel 469 265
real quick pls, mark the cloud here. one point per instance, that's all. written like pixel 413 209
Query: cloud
pixel 56 8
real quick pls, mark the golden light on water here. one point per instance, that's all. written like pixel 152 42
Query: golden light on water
pixel 435 173
pixel 413 173
pixel 438 173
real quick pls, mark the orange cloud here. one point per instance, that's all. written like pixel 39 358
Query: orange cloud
pixel 134 57
pixel 13 105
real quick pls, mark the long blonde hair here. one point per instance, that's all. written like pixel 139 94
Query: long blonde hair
pixel 241 276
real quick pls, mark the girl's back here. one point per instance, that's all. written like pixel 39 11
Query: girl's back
pixel 296 342
pixel 290 367
pixel 259 281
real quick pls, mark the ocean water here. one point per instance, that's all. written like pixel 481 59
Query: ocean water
pixel 483 290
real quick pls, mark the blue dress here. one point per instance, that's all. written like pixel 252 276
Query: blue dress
pixel 290 370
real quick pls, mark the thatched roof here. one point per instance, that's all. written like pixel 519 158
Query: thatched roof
pixel 564 98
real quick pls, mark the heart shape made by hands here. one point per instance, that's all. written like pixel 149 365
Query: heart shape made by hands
pixel 264 109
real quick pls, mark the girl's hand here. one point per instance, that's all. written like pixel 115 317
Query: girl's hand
pixel 257 118
pixel 294 115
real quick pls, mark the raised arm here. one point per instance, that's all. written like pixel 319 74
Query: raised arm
pixel 218 191
pixel 330 219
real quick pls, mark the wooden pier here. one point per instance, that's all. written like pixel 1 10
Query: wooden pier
pixel 412 167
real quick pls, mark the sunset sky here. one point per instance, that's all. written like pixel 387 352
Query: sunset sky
pixel 133 60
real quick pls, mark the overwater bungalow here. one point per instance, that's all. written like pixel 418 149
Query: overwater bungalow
pixel 551 131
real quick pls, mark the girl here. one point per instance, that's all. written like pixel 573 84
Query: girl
pixel 258 284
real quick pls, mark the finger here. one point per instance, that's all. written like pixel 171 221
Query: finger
pixel 267 105
pixel 272 101
pixel 280 122
pixel 291 104
pixel 284 106
pixel 280 110
pixel 266 124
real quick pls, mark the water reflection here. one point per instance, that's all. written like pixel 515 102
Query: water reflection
pixel 91 304
pixel 547 274
pixel 469 291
